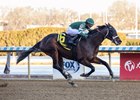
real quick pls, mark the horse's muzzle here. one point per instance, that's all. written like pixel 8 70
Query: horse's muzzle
pixel 117 41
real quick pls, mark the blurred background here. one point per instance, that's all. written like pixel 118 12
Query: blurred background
pixel 25 22
pixel 124 15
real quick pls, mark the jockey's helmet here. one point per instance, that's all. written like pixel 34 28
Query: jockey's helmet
pixel 90 21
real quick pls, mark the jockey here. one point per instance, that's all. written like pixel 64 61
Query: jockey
pixel 79 28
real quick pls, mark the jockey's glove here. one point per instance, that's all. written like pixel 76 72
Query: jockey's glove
pixel 84 35
pixel 85 31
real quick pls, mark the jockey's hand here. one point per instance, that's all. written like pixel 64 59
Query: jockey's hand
pixel 84 35
pixel 85 31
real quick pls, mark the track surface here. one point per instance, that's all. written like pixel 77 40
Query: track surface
pixel 61 90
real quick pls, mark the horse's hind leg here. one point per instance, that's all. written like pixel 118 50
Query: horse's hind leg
pixel 61 68
pixel 58 64
pixel 65 73
pixel 100 61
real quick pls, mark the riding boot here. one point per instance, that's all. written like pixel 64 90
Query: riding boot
pixel 72 40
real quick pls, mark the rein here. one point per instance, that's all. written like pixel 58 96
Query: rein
pixel 104 31
pixel 114 37
pixel 105 34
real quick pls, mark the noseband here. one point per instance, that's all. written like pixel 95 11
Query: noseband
pixel 114 37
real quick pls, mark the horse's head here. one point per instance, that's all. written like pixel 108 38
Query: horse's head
pixel 111 34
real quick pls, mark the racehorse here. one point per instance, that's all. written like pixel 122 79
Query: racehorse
pixel 86 50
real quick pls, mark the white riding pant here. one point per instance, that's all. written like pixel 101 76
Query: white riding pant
pixel 72 32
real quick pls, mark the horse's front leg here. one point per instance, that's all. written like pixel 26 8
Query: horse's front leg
pixel 87 64
pixel 100 61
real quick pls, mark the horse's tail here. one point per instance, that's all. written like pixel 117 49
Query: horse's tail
pixel 24 54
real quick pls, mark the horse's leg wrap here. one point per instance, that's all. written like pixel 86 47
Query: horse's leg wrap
pixel 68 76
pixel 71 82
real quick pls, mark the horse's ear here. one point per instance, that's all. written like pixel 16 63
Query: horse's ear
pixel 106 24
pixel 109 24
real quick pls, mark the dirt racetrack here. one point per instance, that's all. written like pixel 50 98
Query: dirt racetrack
pixel 61 90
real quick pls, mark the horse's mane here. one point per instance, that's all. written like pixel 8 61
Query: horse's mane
pixel 97 29
pixel 101 27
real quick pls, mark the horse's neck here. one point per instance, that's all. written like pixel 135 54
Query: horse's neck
pixel 96 39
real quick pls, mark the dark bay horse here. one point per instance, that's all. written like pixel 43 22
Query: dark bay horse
pixel 86 50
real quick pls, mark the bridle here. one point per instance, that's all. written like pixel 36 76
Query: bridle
pixel 106 33
pixel 102 33
pixel 113 37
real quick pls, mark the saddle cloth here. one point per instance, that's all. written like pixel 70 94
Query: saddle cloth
pixel 62 40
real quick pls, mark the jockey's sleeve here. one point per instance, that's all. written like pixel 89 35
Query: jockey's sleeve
pixel 82 27
pixel 72 31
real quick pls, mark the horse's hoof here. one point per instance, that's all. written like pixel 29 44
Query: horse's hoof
pixel 75 85
pixel 111 77
pixel 4 85
pixel 72 83
pixel 7 71
pixel 113 80
pixel 84 75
